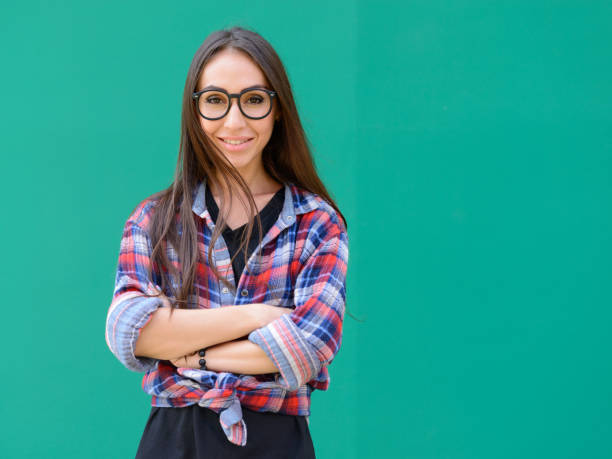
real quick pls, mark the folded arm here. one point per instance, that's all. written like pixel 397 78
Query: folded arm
pixel 301 343
pixel 298 344
pixel 240 357
pixel 141 330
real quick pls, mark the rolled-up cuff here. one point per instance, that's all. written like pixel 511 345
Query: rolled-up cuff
pixel 126 317
pixel 283 342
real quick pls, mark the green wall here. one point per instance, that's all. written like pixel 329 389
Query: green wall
pixel 468 143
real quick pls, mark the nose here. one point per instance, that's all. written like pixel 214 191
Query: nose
pixel 234 117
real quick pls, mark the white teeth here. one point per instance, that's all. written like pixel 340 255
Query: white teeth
pixel 235 142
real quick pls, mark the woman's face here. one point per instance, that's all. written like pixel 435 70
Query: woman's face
pixel 233 70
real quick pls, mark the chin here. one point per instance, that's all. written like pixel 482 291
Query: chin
pixel 240 161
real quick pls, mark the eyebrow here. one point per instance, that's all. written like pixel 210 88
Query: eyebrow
pixel 255 86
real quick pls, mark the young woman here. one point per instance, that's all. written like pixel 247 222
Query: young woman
pixel 230 286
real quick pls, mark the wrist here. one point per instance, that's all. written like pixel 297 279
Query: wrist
pixel 212 357
pixel 202 360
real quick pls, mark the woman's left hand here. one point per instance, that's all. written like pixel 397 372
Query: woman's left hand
pixel 188 361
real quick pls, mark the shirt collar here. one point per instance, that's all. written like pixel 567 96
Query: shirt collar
pixel 297 201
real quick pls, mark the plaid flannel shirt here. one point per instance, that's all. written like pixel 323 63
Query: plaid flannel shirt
pixel 302 265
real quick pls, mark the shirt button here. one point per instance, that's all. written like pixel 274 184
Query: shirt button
pixel 225 290
pixel 289 217
pixel 244 292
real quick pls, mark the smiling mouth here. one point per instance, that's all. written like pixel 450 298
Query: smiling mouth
pixel 235 142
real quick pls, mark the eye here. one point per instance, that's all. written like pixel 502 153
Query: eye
pixel 214 100
pixel 254 100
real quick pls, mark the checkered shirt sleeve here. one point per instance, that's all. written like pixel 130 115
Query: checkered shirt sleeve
pixel 303 342
pixel 130 310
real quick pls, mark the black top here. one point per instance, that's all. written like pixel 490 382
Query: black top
pixel 268 215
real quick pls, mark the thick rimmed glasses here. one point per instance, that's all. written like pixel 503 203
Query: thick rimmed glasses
pixel 214 103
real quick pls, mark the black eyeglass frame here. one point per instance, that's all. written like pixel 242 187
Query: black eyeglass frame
pixel 196 97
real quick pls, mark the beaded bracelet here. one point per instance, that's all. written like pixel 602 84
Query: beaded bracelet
pixel 202 361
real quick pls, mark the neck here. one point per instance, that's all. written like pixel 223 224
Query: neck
pixel 257 180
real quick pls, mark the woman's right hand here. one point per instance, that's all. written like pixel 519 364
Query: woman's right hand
pixel 265 313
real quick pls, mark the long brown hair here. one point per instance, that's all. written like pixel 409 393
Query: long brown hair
pixel 286 158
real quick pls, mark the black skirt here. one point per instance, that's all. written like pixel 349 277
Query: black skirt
pixel 194 432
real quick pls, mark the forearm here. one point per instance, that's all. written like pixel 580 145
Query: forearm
pixel 240 357
pixel 167 336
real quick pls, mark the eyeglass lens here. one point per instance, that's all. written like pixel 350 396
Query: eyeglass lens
pixel 254 103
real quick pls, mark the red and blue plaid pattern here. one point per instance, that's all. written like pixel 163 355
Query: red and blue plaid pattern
pixel 302 264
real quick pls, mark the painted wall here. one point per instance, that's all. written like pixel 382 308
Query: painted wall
pixel 468 143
